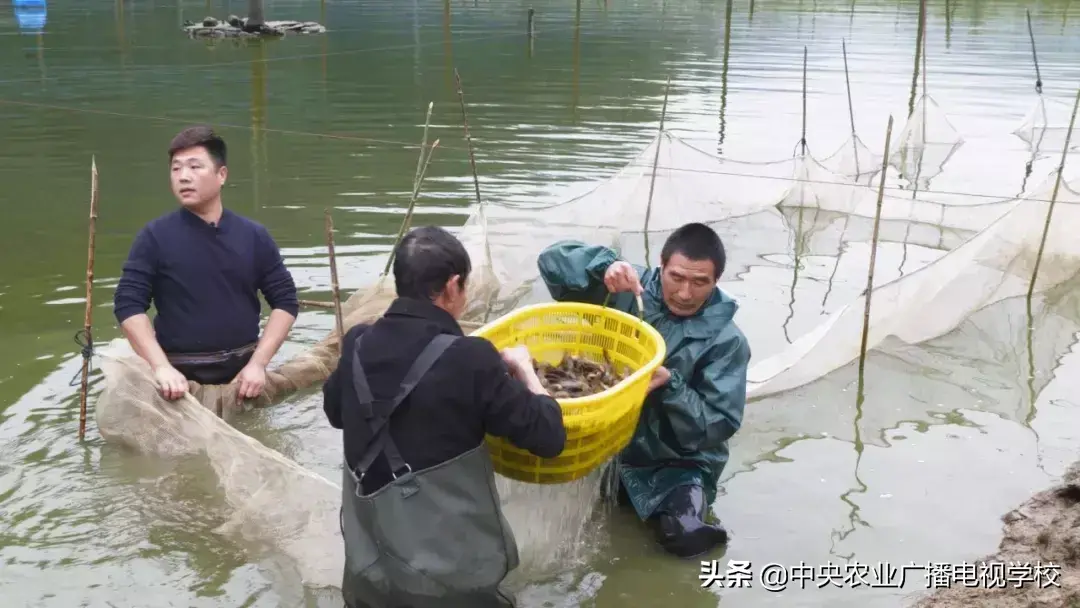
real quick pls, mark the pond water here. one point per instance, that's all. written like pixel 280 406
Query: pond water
pixel 952 433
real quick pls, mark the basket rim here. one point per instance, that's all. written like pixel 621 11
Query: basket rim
pixel 656 361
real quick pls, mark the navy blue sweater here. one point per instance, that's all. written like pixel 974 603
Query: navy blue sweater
pixel 204 281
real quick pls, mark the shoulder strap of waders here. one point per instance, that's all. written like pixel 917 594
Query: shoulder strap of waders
pixel 380 425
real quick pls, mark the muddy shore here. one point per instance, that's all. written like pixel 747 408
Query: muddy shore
pixel 1035 565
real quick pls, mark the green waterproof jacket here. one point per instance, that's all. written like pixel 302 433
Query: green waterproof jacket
pixel 682 434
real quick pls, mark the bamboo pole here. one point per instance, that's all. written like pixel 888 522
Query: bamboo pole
pixel 468 136
pixel 316 304
pixel 334 276
pixel 1053 198
pixel 476 182
pixel 422 164
pixel 655 164
pixel 1034 55
pixel 873 256
pixel 851 110
pixel 802 140
pixel 88 315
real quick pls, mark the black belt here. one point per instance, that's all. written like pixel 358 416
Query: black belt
pixel 210 358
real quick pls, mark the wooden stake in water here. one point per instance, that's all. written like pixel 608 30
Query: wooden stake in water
pixel 468 137
pixel 531 31
pixel 1038 262
pixel 655 164
pixel 1034 55
pixel 851 110
pixel 334 288
pixel 421 170
pixel 476 179
pixel 802 140
pixel 873 255
pixel 88 315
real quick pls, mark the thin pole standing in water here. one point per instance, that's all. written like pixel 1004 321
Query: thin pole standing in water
pixel 851 111
pixel 873 257
pixel 88 315
pixel 476 181
pixel 1053 198
pixel 802 140
pixel 1038 262
pixel 334 277
pixel 421 170
pixel 656 162
pixel 1034 55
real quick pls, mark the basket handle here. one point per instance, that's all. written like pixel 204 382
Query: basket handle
pixel 637 298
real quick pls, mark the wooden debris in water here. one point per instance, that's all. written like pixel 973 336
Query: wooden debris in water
pixel 578 376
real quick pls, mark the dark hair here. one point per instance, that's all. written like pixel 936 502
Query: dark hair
pixel 426 259
pixel 199 136
pixel 696 242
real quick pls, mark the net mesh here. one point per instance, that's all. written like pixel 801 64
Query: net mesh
pixel 1046 126
pixel 991 252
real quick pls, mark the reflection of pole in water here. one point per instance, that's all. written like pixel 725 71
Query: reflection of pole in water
pixel 949 8
pixel 258 119
pixel 325 44
pixel 798 243
pixel 799 236
pixel 576 58
pixel 860 487
pixel 41 56
pixel 531 31
pixel 448 46
pixel 797 249
pixel 652 179
pixel 723 75
pixel 121 39
pixel 751 16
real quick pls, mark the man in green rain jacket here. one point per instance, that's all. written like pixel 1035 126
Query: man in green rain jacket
pixel 671 468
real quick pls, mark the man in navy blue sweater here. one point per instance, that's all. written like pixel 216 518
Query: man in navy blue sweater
pixel 202 266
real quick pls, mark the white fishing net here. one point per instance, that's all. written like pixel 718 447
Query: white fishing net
pixel 1046 125
pixel 926 143
pixel 992 251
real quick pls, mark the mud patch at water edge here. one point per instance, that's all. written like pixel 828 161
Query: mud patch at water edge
pixel 1041 542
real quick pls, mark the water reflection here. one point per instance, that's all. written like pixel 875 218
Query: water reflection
pixel 30 15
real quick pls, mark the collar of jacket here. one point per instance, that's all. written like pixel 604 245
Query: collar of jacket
pixel 718 310
pixel 425 310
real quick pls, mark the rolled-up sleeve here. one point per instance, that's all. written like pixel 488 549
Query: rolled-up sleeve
pixel 275 280
pixel 134 292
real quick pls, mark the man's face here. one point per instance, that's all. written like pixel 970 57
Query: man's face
pixel 195 179
pixel 687 284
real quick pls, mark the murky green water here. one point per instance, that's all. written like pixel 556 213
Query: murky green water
pixel 952 433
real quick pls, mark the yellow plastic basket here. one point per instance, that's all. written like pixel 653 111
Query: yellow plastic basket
pixel 598 426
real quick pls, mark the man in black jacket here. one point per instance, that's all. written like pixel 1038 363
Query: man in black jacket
pixel 421 517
